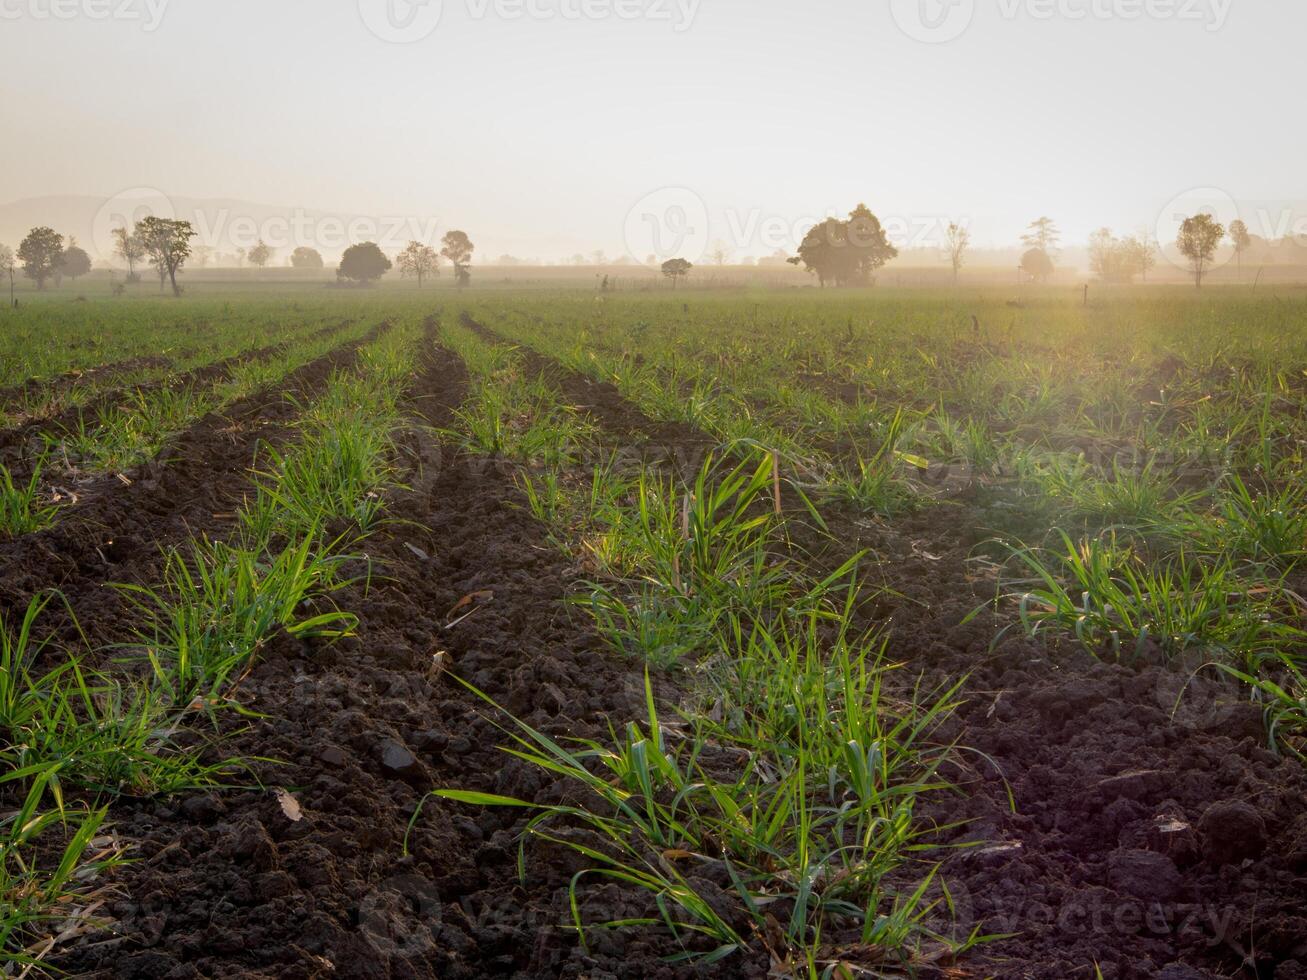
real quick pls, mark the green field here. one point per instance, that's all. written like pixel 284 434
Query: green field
pixel 817 532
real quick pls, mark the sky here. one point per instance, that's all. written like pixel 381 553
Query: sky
pixel 547 127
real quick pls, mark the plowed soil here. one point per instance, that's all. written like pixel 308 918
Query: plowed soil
pixel 1116 828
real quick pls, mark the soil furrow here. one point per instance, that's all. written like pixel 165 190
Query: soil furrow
pixel 228 885
pixel 636 435
pixel 118 531
pixel 21 446
pixel 1134 785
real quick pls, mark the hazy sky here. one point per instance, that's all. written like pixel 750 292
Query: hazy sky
pixel 538 125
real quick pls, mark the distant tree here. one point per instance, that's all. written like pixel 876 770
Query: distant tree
pixel 363 264
pixel 260 255
pixel 129 248
pixel 73 261
pixel 958 240
pixel 201 255
pixel 1043 235
pixel 458 248
pixel 418 260
pixel 845 252
pixel 7 269
pixel 1142 254
pixel 1199 238
pixel 39 253
pixel 306 258
pixel 676 269
pixel 598 257
pixel 168 244
pixel 240 257
pixel 1241 240
pixel 721 253
pixel 1106 256
pixel 1036 264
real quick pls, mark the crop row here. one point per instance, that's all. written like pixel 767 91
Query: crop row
pixel 82 727
pixel 789 772
pixel 1179 525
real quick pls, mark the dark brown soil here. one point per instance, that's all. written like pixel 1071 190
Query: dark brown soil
pixel 1130 782
pixel 1153 845
pixel 227 885
pixel 21 446
pixel 118 528
pixel 71 379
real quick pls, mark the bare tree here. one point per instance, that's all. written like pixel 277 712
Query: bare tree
pixel 7 264
pixel 1043 235
pixel 128 247
pixel 1200 236
pixel 720 253
pixel 260 255
pixel 418 260
pixel 1241 240
pixel 958 240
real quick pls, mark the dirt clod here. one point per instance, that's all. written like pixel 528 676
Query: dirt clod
pixel 1232 831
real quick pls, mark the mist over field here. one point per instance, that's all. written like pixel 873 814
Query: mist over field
pixel 653 488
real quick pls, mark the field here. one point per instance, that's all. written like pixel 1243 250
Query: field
pixel 740 632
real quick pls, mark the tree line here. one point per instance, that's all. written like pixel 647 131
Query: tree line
pixel 848 252
pixel 166 243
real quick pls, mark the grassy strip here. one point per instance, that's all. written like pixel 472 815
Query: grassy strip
pixel 72 728
pixel 218 603
pixel 134 432
pixel 35 402
pixel 790 778
pixel 1203 482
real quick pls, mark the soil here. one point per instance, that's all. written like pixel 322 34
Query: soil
pixel 1152 840
pixel 117 530
pixel 21 446
pixel 1125 815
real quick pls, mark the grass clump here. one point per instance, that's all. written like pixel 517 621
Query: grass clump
pixel 218 605
pixel 22 507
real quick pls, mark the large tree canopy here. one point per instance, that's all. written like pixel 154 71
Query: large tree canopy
pixel 39 253
pixel 458 248
pixel 73 262
pixel 363 263
pixel 306 258
pixel 846 252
